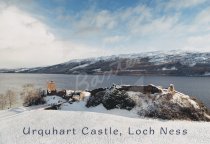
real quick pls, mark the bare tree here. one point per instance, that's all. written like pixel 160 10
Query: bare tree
pixel 3 101
pixel 11 97
pixel 28 89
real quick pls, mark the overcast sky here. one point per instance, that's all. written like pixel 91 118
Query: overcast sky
pixel 44 32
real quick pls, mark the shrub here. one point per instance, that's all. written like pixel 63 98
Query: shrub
pixel 118 99
pixel 32 96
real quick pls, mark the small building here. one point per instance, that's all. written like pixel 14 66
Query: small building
pixel 51 88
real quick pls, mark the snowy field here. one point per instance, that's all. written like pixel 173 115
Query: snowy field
pixel 11 129
pixel 76 124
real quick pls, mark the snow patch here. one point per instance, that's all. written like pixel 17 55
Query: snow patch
pixel 54 100
pixel 80 106
pixel 207 74
pixel 172 68
pixel 80 66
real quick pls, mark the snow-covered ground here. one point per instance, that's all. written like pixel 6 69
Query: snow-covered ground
pixel 13 112
pixel 11 129
pixel 80 106
pixel 76 122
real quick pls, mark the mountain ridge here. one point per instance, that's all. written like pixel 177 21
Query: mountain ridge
pixel 171 63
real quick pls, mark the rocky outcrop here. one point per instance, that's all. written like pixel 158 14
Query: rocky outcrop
pixel 170 111
pixel 150 101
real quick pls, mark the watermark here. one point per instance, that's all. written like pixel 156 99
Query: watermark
pixel 102 78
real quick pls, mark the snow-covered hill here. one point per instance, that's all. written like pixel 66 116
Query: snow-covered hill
pixel 150 63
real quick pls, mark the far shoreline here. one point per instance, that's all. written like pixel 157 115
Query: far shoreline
pixel 147 75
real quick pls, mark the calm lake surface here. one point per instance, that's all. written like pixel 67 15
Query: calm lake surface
pixel 193 86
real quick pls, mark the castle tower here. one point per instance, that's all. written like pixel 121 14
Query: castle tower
pixel 51 88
